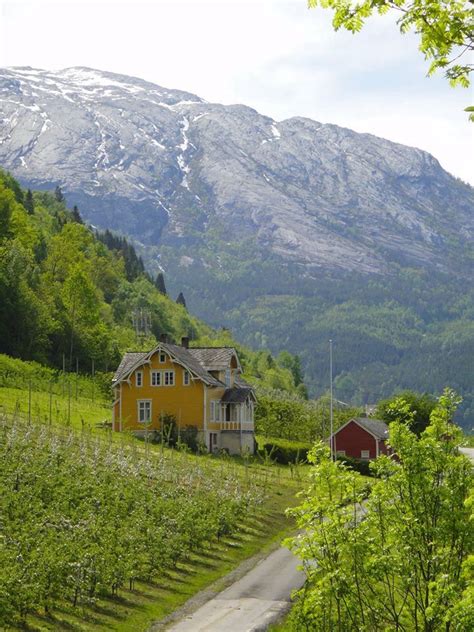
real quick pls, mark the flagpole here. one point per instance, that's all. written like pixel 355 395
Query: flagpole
pixel 331 414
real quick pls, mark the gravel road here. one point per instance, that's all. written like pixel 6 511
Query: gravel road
pixel 253 602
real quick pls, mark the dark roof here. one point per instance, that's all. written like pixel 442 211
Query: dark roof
pixel 190 361
pixel 375 426
pixel 213 358
pixel 198 360
pixel 129 360
pixel 235 395
pixel 238 381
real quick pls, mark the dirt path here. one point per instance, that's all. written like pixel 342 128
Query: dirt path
pixel 258 595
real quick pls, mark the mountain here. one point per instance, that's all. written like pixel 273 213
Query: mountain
pixel 138 157
pixel 289 232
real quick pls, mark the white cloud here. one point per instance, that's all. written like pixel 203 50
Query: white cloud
pixel 275 56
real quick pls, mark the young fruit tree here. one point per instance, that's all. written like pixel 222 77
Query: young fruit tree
pixel 401 558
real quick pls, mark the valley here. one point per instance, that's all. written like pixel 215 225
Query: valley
pixel 286 232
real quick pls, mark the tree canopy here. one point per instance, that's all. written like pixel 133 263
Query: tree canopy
pixel 418 408
pixel 404 561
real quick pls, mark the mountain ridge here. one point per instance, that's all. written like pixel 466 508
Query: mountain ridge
pixel 296 183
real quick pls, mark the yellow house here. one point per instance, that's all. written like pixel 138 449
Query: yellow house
pixel 200 387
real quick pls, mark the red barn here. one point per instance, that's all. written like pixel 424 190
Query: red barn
pixel 361 438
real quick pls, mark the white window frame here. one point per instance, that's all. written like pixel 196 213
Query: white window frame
pixel 139 409
pixel 137 375
pixel 340 453
pixel 215 410
pixel 162 357
pixel 186 378
pixel 365 454
pixel 154 373
pixel 166 378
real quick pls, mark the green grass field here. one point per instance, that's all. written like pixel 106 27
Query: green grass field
pixel 56 409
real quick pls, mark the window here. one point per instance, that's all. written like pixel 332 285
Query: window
pixel 168 378
pixel 139 378
pixel 215 410
pixel 144 411
pixel 155 378
pixel 365 454
pixel 227 377
pixel 162 357
pixel 186 378
pixel 340 452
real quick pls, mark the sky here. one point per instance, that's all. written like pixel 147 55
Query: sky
pixel 273 55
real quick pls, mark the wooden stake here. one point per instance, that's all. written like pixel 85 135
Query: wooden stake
pixel 29 402
pixel 64 373
pixel 93 375
pixel 69 403
pixel 162 437
pixel 50 401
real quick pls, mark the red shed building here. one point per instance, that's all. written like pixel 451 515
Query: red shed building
pixel 361 438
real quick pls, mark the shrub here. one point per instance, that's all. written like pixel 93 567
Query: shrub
pixel 284 452
pixel 359 465
pixel 187 436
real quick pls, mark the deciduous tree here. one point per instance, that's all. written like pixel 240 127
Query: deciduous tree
pixel 399 560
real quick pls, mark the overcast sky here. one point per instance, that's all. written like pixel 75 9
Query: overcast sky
pixel 276 56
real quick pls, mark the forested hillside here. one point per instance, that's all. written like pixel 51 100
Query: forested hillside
pixel 75 298
pixel 410 329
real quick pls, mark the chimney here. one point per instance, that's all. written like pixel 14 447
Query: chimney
pixel 164 338
pixel 185 342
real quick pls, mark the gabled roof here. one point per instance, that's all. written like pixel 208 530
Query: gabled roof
pixel 184 356
pixel 214 358
pixel 376 427
pixel 129 361
pixel 196 360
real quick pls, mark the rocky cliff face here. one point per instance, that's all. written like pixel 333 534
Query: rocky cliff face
pixel 166 167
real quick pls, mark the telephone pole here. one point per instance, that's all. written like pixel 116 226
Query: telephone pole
pixel 141 320
pixel 331 409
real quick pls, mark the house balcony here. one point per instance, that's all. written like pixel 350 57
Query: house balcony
pixel 237 426
pixel 233 417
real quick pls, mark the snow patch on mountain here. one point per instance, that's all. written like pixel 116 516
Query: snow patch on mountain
pixel 316 194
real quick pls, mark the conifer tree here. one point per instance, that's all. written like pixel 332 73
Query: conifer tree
pixel 58 194
pixel 76 215
pixel 29 202
pixel 160 283
pixel 181 300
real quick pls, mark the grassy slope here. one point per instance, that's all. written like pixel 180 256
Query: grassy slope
pixel 84 413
